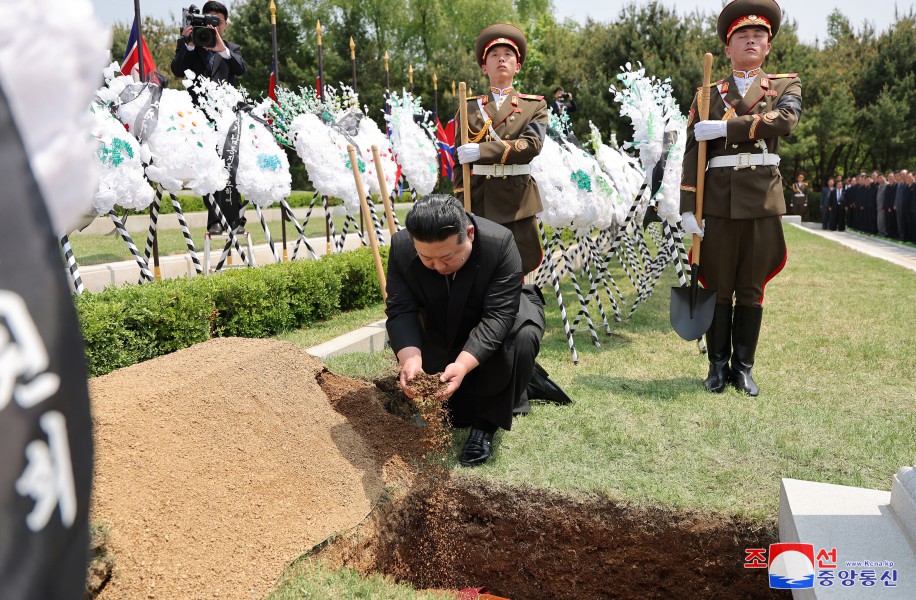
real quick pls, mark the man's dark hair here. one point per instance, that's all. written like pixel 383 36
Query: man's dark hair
pixel 216 7
pixel 437 217
pixel 559 88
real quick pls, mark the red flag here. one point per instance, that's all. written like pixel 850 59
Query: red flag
pixel 272 84
pixel 131 56
pixel 445 140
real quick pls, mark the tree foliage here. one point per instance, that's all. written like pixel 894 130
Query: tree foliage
pixel 859 87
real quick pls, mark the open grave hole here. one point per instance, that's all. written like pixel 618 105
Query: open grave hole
pixel 448 532
pixel 212 482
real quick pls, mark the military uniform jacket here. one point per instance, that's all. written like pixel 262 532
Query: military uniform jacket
pixel 768 111
pixel 518 130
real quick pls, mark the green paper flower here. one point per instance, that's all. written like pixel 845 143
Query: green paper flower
pixel 582 180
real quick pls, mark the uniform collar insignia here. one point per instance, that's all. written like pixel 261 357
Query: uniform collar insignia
pixel 747 74
pixel 501 92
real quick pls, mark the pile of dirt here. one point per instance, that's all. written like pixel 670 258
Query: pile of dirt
pixel 219 464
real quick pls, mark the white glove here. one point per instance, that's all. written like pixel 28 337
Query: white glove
pixel 689 224
pixel 710 130
pixel 468 153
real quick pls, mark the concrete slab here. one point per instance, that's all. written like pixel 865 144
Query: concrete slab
pixel 898 254
pixel 371 338
pixel 861 525
pixel 140 223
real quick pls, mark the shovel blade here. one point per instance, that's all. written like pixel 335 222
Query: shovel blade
pixel 687 323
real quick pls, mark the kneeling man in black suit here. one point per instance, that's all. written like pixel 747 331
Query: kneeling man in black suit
pixel 456 304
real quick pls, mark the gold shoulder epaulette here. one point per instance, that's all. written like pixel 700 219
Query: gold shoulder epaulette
pixel 783 75
pixel 530 97
pixel 474 98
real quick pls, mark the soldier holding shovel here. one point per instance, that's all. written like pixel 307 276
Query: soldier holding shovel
pixel 743 243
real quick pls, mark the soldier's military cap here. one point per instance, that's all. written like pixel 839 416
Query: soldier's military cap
pixel 500 34
pixel 748 13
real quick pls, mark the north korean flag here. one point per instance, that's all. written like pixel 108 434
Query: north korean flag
pixel 445 140
pixel 131 55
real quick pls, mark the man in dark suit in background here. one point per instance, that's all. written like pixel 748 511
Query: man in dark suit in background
pixel 890 213
pixel 901 205
pixel 825 199
pixel 456 305
pixel 221 62
pixel 836 206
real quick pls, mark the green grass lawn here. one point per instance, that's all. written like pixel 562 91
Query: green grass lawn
pixel 92 249
pixel 836 371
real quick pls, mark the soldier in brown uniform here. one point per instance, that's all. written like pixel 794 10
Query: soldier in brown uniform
pixel 743 246
pixel 507 131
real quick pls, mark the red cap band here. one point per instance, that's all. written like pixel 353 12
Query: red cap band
pixel 501 41
pixel 749 21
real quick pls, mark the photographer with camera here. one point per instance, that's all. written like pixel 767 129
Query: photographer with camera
pixel 202 49
pixel 562 102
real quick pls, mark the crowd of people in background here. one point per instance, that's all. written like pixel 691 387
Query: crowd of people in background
pixel 876 203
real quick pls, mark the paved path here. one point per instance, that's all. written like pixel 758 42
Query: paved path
pixel 899 254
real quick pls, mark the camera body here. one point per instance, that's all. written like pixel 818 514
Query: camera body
pixel 565 97
pixel 201 34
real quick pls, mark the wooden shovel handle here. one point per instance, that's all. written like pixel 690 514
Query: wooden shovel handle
pixel 370 225
pixel 463 138
pixel 703 109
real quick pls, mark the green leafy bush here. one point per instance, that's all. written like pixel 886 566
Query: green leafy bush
pixel 129 324
pixel 358 277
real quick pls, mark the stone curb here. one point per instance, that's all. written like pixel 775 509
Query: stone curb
pixel 368 339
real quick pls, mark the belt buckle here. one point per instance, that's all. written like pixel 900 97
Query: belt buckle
pixel 744 160
pixel 499 170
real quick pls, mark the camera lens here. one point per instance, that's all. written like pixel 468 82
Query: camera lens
pixel 204 36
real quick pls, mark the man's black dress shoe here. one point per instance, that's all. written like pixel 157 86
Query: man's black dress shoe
pixel 477 448
pixel 542 387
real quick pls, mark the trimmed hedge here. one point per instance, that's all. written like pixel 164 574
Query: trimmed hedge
pixel 125 325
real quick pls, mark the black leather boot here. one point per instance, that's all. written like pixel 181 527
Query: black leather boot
pixel 745 334
pixel 719 349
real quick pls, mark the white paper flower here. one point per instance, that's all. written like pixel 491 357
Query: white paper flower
pixel 262 175
pixel 323 151
pixel 368 135
pixel 183 148
pixel 414 145
pixel 118 158
pixel 51 54
pixel 559 194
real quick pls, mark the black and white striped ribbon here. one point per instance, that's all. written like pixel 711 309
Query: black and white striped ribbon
pixel 233 239
pixel 300 229
pixel 549 266
pixel 72 268
pixel 141 262
pixel 185 232
pixel 270 239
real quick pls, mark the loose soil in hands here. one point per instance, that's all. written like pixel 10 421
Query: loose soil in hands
pixel 219 465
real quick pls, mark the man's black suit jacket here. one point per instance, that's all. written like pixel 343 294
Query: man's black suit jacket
pixel 476 311
pixel 196 60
